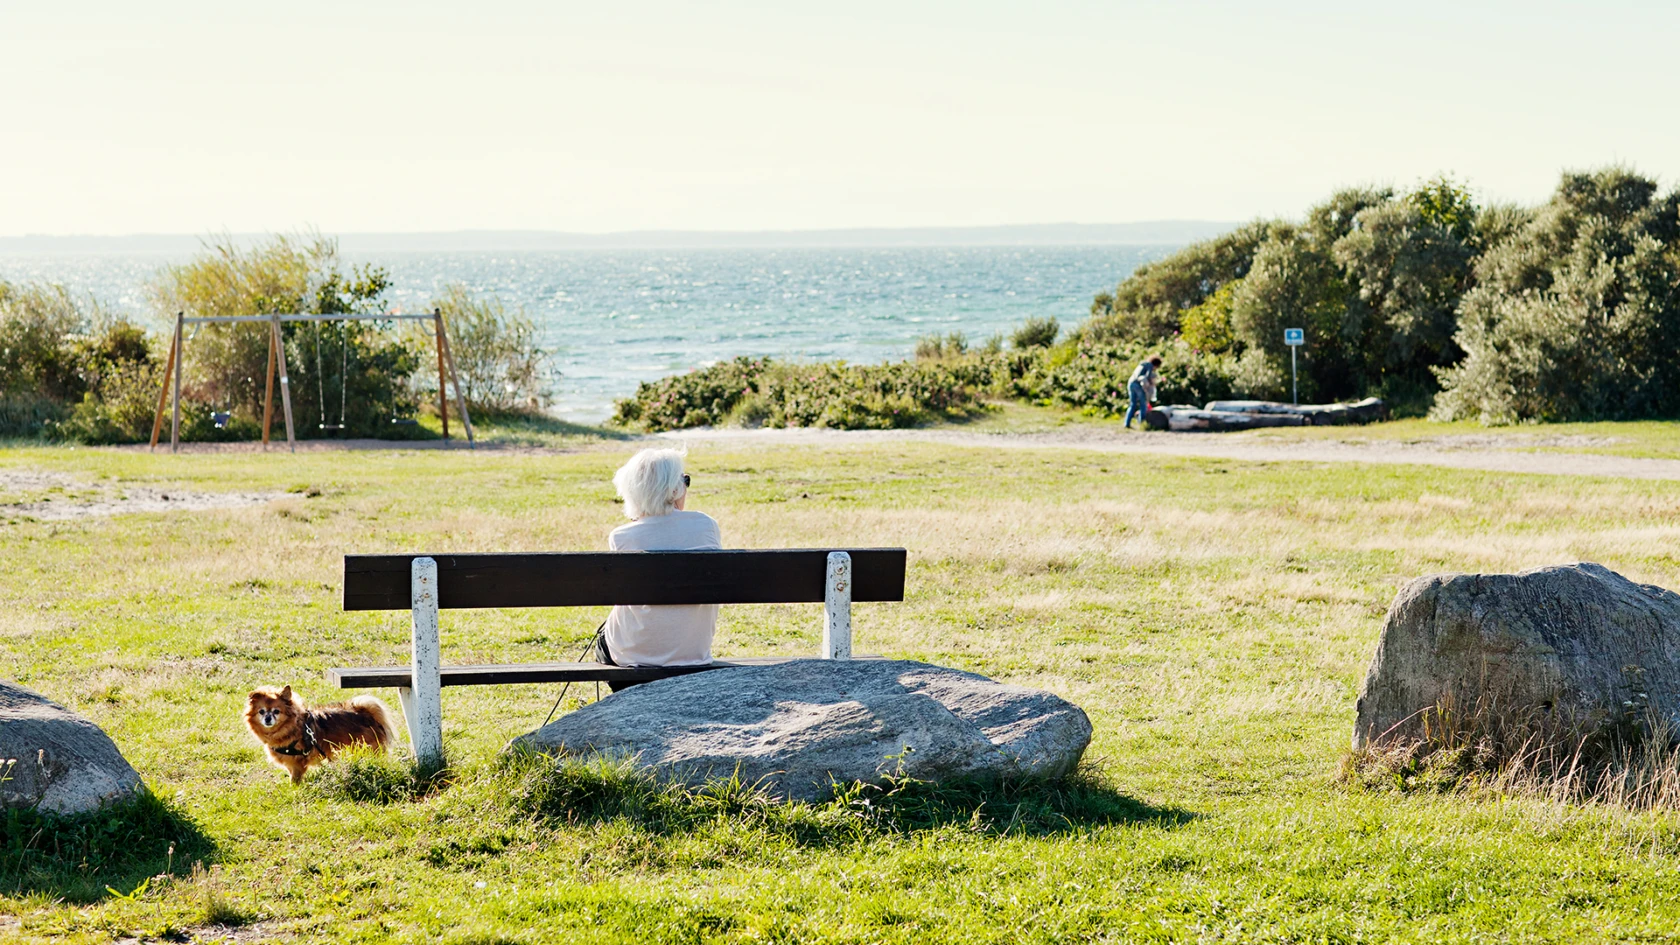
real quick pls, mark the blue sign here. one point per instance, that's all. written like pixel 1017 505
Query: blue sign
pixel 1294 336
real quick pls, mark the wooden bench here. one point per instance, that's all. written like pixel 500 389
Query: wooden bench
pixel 425 584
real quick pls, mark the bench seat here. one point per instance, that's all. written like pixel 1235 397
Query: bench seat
pixel 376 677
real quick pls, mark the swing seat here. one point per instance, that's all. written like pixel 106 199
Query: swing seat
pixel 220 419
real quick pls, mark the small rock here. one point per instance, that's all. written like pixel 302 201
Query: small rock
pixel 801 725
pixel 60 762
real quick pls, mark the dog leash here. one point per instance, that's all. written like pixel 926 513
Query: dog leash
pixel 599 632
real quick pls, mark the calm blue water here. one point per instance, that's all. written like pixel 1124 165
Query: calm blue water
pixel 617 317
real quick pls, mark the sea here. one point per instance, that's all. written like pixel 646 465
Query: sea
pixel 613 318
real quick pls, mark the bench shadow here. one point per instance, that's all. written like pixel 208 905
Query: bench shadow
pixel 113 852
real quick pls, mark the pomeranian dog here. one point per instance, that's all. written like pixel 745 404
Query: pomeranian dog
pixel 298 738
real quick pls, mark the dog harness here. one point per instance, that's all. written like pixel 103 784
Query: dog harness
pixel 302 747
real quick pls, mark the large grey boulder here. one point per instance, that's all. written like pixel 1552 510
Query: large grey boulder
pixel 61 762
pixel 1578 645
pixel 801 725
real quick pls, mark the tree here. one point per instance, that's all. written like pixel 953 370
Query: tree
pixel 1151 302
pixel 1575 315
pixel 1407 263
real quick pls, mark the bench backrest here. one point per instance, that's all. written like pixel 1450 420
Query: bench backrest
pixel 594 578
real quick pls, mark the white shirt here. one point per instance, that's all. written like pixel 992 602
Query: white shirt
pixel 664 634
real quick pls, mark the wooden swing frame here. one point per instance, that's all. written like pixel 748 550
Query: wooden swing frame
pixel 277 366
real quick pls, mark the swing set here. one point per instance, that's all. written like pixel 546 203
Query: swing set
pixel 277 367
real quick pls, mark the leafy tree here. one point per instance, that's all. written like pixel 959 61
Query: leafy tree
pixel 1152 301
pixel 353 374
pixel 1407 263
pixel 1207 327
pixel 1576 315
pixel 502 368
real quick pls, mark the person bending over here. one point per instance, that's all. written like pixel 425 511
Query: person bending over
pixel 655 492
pixel 1140 390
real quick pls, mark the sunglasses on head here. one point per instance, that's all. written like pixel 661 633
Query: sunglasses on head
pixel 685 480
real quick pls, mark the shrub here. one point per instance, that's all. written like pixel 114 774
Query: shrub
pixel 784 394
pixel 1035 333
pixel 502 369
pixel 1576 315
pixel 1095 377
pixel 935 348
pixel 57 359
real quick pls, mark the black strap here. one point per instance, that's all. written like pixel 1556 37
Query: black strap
pixel 303 746
pixel 598 643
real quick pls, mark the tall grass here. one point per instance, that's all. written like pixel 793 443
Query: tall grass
pixel 1631 760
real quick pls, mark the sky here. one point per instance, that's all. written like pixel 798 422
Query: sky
pixel 370 116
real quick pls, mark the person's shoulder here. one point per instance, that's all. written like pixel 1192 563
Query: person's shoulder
pixel 701 523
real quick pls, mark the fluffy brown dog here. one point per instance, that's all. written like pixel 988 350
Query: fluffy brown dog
pixel 298 738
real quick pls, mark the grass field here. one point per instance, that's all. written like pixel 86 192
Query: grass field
pixel 1214 619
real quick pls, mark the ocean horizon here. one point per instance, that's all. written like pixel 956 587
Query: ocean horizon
pixel 614 318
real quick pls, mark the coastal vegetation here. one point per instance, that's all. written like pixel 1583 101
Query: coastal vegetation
pixel 1441 306
pixel 70 372
pixel 1215 618
pixel 1566 311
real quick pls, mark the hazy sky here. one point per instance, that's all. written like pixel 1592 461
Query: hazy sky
pixel 184 117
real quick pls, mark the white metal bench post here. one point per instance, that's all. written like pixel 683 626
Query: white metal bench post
pixel 837 608
pixel 423 702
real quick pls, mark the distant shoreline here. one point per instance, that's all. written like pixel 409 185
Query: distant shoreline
pixel 1157 232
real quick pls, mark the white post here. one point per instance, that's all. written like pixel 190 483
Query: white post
pixel 837 608
pixel 423 701
pixel 1294 383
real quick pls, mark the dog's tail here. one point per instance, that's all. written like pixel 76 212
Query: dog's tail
pixel 379 713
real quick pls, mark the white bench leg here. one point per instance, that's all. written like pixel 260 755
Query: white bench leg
pixel 423 702
pixel 837 608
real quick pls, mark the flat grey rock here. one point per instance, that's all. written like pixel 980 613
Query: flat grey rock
pixel 1576 642
pixel 63 763
pixel 800 726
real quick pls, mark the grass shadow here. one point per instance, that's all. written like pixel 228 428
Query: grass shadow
pixel 84 858
pixel 538 429
pixel 599 790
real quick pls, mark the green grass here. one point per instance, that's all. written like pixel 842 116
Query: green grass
pixel 1214 618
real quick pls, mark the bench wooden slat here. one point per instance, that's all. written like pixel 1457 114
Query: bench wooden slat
pixel 377 677
pixel 585 579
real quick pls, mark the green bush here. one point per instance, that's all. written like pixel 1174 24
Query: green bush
pixel 766 392
pixel 1095 377
pixel 57 359
pixel 1576 314
pixel 1035 333
pixel 502 369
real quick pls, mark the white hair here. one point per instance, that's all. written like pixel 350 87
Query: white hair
pixel 650 483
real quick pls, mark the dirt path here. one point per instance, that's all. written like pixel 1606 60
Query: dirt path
pixel 1477 454
pixel 1490 453
pixel 44 496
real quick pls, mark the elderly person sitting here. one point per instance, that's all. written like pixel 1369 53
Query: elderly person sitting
pixel 655 490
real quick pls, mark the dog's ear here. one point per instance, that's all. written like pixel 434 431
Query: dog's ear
pixel 286 694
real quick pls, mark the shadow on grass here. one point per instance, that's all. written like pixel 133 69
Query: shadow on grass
pixel 88 857
pixel 598 790
pixel 522 427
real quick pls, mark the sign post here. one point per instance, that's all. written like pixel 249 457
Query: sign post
pixel 1294 338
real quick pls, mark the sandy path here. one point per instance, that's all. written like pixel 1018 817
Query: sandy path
pixel 1237 446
